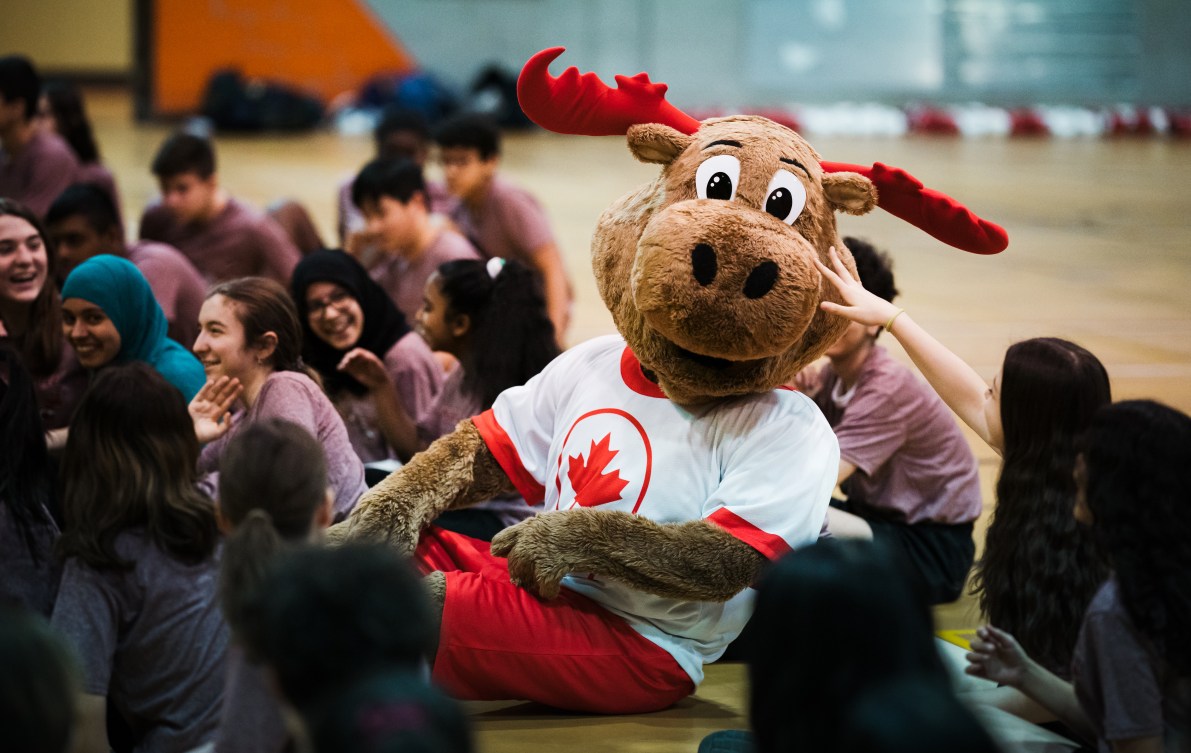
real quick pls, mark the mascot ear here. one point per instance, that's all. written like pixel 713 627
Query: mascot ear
pixel 850 192
pixel 656 143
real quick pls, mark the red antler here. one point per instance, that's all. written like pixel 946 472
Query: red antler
pixel 904 196
pixel 585 106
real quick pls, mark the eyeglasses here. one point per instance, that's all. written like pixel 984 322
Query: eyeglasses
pixel 339 299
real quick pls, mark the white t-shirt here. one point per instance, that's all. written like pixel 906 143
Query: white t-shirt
pixel 592 430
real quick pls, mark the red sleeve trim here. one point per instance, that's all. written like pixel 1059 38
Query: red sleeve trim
pixel 771 546
pixel 505 453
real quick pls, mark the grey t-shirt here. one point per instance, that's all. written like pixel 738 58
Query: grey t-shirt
pixel 1121 681
pixel 150 639
pixel 30 569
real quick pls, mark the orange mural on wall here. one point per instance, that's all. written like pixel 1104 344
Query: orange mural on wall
pixel 324 46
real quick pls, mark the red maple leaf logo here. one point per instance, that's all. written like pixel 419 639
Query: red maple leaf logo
pixel 592 486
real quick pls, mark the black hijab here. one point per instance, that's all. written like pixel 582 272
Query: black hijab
pixel 383 323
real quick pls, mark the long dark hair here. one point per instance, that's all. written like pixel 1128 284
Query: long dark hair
pixel 511 337
pixel 41 344
pixel 262 306
pixel 130 463
pixel 272 479
pixel 1138 460
pixel 1040 568
pixel 26 475
pixel 70 118
pixel 832 620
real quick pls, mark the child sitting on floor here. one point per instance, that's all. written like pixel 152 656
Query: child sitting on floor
pixel 1131 673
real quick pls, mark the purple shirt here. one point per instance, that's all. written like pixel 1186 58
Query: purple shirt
pixel 509 223
pixel 150 639
pixel 912 462
pixel 1121 680
pixel 417 377
pixel 295 397
pixel 39 173
pixel 239 242
pixel 177 286
pixel 405 280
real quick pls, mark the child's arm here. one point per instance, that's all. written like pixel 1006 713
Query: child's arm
pixel 91 734
pixel 997 656
pixel 956 382
pixel 396 425
pixel 555 285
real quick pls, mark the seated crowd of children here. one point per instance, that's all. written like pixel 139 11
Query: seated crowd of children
pixel 184 414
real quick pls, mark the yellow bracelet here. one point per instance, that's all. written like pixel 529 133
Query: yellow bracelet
pixel 892 319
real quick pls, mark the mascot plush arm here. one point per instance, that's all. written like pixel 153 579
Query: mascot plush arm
pixel 455 471
pixel 693 561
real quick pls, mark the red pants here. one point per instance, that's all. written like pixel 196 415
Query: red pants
pixel 500 642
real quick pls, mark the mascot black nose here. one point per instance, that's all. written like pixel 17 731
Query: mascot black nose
pixel 760 280
pixel 704 264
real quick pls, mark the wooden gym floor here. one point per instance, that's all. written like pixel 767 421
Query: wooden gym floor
pixel 1100 253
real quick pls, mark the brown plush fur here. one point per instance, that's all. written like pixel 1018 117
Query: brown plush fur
pixel 702 342
pixel 692 561
pixel 455 471
pixel 641 255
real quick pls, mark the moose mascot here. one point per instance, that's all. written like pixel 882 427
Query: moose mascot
pixel 671 461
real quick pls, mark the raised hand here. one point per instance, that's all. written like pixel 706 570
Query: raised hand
pixel 997 656
pixel 862 306
pixel 210 410
pixel 810 380
pixel 366 368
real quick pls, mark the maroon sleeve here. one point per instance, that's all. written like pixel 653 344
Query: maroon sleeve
pixel 53 172
pixel 525 222
pixel 279 255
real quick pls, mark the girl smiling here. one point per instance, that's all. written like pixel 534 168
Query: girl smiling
pixel 249 343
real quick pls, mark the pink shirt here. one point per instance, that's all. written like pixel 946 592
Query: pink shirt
pixel 509 223
pixel 912 462
pixel 39 173
pixel 239 242
pixel 177 286
pixel 294 397
pixel 404 280
pixel 417 377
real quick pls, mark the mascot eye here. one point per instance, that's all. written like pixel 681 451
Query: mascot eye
pixel 716 178
pixel 786 197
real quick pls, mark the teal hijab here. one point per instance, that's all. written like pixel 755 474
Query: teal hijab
pixel 118 287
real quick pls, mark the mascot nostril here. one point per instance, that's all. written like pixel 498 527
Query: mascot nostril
pixel 761 280
pixel 669 462
pixel 704 264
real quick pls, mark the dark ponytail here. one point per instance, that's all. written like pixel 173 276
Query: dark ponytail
pixel 511 337
pixel 272 481
pixel 249 550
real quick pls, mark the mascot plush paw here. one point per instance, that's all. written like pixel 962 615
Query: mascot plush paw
pixel 671 461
